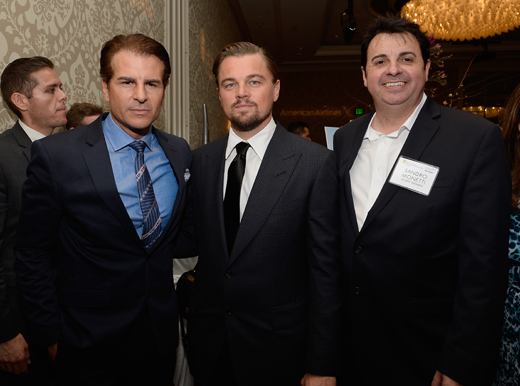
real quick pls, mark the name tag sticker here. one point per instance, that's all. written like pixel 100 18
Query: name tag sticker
pixel 414 175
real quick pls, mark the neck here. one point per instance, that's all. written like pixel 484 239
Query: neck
pixel 246 135
pixel 43 130
pixel 390 118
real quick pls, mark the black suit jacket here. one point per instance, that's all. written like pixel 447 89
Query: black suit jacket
pixel 106 279
pixel 15 152
pixel 275 296
pixel 428 273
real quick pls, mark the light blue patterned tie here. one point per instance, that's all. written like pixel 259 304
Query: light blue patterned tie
pixel 149 206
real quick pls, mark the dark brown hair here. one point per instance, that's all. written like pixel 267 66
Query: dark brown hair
pixel 138 44
pixel 509 122
pixel 78 111
pixel 241 49
pixel 393 24
pixel 297 127
pixel 17 78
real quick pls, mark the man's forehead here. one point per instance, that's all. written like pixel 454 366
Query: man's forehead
pixel 380 41
pixel 46 76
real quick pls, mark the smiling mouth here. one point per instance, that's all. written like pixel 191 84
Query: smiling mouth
pixel 394 84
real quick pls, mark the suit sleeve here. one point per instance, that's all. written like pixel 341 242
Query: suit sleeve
pixel 471 347
pixel 38 231
pixel 8 328
pixel 324 267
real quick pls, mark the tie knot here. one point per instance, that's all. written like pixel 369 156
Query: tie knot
pixel 138 146
pixel 242 148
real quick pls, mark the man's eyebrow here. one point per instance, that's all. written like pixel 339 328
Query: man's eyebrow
pixel 255 76
pixel 54 85
pixel 378 57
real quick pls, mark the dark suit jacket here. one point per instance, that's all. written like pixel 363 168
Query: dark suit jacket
pixel 276 296
pixel 15 152
pixel 428 273
pixel 106 279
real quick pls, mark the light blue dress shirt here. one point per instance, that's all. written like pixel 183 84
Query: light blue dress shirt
pixel 122 157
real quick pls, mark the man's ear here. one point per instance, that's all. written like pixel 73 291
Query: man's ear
pixel 20 101
pixel 105 91
pixel 364 76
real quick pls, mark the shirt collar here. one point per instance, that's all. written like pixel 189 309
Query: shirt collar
pixel 31 133
pixel 117 136
pixel 258 142
pixel 371 134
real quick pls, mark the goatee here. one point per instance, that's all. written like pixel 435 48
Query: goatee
pixel 248 123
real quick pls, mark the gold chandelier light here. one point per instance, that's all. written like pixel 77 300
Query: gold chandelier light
pixel 463 19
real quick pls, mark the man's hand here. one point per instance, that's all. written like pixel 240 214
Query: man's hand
pixel 52 350
pixel 439 379
pixel 14 355
pixel 317 380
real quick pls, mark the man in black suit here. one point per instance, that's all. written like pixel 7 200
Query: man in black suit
pixel 109 197
pixel 266 300
pixel 425 194
pixel 32 90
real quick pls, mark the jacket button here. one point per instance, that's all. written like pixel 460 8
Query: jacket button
pixel 229 275
pixel 229 311
pixel 358 249
pixel 358 290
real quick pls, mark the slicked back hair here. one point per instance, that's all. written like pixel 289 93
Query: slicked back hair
pixel 242 49
pixel 135 43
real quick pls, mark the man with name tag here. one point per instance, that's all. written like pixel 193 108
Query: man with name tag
pixel 425 196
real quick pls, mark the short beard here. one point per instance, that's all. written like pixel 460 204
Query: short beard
pixel 245 124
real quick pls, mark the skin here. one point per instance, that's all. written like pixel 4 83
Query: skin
pixel 14 356
pixel 247 93
pixel 45 109
pixel 440 379
pixel 395 76
pixel 135 92
pixel 43 112
pixel 306 134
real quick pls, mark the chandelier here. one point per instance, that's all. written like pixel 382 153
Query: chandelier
pixel 463 19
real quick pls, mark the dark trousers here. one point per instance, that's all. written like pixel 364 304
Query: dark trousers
pixel 224 374
pixel 131 361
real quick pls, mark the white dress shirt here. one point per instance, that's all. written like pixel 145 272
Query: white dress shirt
pixel 374 161
pixel 254 156
pixel 31 133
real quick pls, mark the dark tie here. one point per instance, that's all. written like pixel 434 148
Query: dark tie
pixel 149 206
pixel 236 172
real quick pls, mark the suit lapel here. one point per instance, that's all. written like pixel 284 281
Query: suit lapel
pixel 100 168
pixel 23 140
pixel 177 166
pixel 275 171
pixel 423 130
pixel 355 144
pixel 211 172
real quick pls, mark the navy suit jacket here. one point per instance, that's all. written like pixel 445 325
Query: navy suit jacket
pixel 275 296
pixel 15 152
pixel 106 279
pixel 428 273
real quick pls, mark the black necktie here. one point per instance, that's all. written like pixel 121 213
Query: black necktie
pixel 236 172
pixel 149 207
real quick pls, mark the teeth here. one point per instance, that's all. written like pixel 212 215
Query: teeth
pixel 395 84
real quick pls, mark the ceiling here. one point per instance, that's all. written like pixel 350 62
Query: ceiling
pixel 307 34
